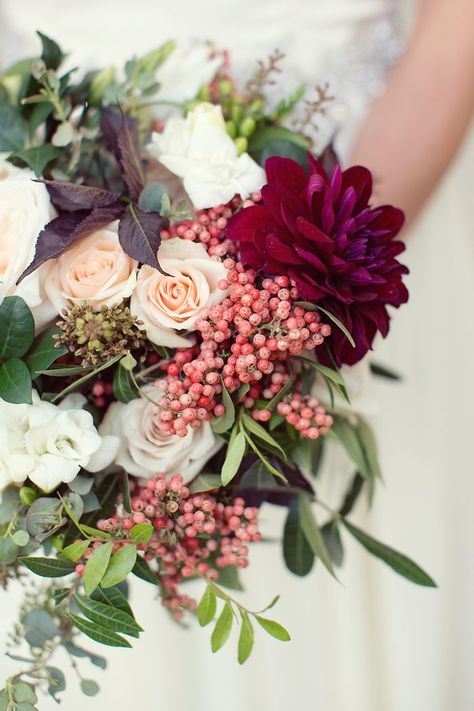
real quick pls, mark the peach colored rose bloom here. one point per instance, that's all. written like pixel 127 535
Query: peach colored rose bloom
pixel 169 306
pixel 96 270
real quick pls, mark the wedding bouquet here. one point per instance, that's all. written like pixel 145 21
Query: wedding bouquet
pixel 181 283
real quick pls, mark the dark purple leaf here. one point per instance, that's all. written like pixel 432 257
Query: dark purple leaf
pixel 56 237
pixel 96 220
pixel 130 161
pixel 140 235
pixel 71 197
pixel 110 125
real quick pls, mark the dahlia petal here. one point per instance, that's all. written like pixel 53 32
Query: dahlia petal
pixel 285 174
pixel 276 249
pixel 243 225
pixel 360 179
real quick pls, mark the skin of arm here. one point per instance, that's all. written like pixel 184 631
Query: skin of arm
pixel 415 128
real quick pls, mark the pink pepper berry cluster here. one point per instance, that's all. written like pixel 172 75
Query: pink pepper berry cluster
pixel 247 338
pixel 208 227
pixel 194 534
pixel 305 414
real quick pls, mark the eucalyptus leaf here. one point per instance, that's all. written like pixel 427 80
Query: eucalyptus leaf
pixel 57 681
pixel 40 627
pixel 151 197
pixel 89 687
pixel 8 551
pixel 24 693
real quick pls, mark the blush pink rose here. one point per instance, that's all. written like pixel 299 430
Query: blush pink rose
pixel 96 271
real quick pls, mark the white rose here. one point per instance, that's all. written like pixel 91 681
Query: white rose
pixel 95 270
pixel 25 208
pixel 168 305
pixel 145 450
pixel 177 86
pixel 49 444
pixel 199 150
pixel 15 463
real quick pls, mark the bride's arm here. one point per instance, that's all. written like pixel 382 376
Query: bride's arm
pixel 416 127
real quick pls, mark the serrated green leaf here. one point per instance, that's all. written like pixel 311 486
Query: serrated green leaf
pixel 207 607
pixel 312 532
pixel 96 566
pixel 43 352
pixel 141 533
pixel 397 561
pixel 273 628
pixel 121 564
pixel 107 616
pixel 15 382
pixel 299 557
pixel 48 567
pixel 234 456
pixel 246 638
pixel 75 551
pixel 17 327
pixel 224 422
pixel 223 628
pixel 97 633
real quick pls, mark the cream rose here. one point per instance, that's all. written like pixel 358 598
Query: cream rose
pixel 145 450
pixel 96 271
pixel 170 305
pixel 25 208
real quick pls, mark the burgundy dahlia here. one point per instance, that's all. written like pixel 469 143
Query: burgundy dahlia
pixel 341 253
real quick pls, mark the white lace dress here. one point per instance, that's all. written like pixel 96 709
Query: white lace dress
pixel 374 643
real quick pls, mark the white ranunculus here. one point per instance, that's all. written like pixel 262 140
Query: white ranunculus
pixel 169 306
pixel 177 86
pixel 25 208
pixel 49 444
pixel 145 450
pixel 15 463
pixel 199 150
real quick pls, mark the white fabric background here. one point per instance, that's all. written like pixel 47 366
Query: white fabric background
pixel 375 642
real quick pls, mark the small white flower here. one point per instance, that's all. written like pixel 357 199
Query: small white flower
pixel 49 444
pixel 145 450
pixel 199 150
pixel 170 305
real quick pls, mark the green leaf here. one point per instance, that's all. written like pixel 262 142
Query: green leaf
pixel 12 129
pixel 44 353
pixel 260 432
pixel 223 628
pixel 123 387
pixel 17 327
pixel 273 628
pixel 229 578
pixel 207 607
pixel 107 616
pixel 52 54
pixel 15 382
pixel 21 538
pixel 299 557
pixel 121 565
pixel 90 531
pixel 397 561
pixel 312 532
pixel 280 395
pixel 4 701
pixel 39 627
pixel 8 551
pixel 151 197
pixel 57 681
pixel 97 633
pixel 127 502
pixel 60 594
pixel 24 693
pixel 89 687
pixel 224 422
pixel 48 567
pixel 143 571
pixel 9 504
pixel 114 598
pixel 369 446
pixel 75 551
pixel 96 566
pixel 347 434
pixel 333 542
pixel 233 459
pixel 205 482
pixel 333 375
pixel 141 533
pixel 38 158
pixel 246 638
pixel 278 140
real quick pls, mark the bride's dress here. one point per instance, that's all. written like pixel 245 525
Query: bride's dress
pixel 376 643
